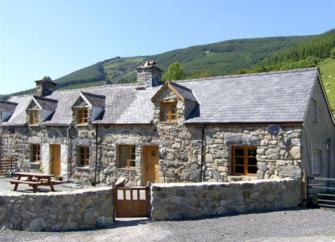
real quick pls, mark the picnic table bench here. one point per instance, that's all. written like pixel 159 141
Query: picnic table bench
pixel 34 180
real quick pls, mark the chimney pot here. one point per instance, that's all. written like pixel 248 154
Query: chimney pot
pixel 45 86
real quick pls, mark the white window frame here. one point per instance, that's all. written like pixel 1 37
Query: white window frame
pixel 314 111
pixel 316 162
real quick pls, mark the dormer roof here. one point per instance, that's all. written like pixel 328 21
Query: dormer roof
pixel 7 106
pixel 45 103
pixel 182 92
pixel 94 100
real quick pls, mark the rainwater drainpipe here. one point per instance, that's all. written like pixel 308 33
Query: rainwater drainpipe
pixel 69 153
pixel 96 154
pixel 203 146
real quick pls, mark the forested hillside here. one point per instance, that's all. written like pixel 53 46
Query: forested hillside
pixel 227 57
pixel 316 51
pixel 221 58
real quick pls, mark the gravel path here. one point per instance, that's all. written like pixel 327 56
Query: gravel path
pixel 295 225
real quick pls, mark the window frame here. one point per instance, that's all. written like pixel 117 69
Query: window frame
pixel 314 111
pixel 34 117
pixel 245 157
pixel 83 155
pixel 35 155
pixel 167 114
pixel 81 115
pixel 316 162
pixel 131 151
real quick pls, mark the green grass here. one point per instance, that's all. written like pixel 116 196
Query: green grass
pixel 327 68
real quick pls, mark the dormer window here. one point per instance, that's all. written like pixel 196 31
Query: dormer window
pixel 82 115
pixel 88 108
pixel 169 111
pixel 34 117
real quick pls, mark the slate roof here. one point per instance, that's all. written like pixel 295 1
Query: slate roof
pixel 184 91
pixel 266 97
pixel 7 106
pixel 94 99
pixel 46 103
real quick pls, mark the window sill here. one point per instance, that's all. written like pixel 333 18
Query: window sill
pixel 34 125
pixel 233 178
pixel 82 125
pixel 127 168
pixel 83 168
pixel 169 123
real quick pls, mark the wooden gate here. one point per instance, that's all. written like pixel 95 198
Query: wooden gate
pixel 5 166
pixel 132 202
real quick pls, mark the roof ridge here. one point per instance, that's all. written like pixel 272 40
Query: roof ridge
pixel 248 74
pixel 8 102
pixel 45 98
pixel 93 94
pixel 99 86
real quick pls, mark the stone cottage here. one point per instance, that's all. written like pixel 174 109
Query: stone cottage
pixel 225 128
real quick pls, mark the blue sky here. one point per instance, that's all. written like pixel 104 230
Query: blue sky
pixel 56 37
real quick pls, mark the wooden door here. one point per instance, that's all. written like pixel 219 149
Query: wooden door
pixel 151 164
pixel 55 160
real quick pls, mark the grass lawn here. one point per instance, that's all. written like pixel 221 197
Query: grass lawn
pixel 327 69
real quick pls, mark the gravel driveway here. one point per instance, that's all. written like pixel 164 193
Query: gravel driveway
pixel 295 225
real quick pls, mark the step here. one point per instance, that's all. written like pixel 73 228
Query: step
pixel 326 195
pixel 326 200
pixel 326 205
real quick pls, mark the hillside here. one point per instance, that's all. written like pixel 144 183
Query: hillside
pixel 199 61
pixel 327 68
pixel 227 57
pixel 316 51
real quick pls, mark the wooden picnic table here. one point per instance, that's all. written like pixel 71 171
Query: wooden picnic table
pixel 33 179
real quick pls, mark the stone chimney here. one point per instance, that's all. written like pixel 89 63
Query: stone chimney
pixel 148 75
pixel 45 86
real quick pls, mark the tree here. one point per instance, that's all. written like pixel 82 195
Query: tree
pixel 174 72
pixel 332 53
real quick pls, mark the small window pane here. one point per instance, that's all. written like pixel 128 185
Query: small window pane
pixel 127 156
pixel 239 152
pixel 168 111
pixel 84 155
pixel 252 161
pixel 239 161
pixel 244 160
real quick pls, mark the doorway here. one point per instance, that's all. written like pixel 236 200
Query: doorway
pixel 55 166
pixel 151 167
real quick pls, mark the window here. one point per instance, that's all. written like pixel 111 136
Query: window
pixel 82 115
pixel 34 117
pixel 316 162
pixel 244 160
pixel 84 155
pixel 314 111
pixel 127 156
pixel 35 153
pixel 168 111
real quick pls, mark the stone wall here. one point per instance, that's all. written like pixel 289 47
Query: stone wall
pixel 82 209
pixel 277 156
pixel 194 200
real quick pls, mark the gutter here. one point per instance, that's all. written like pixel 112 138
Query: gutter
pixel 96 154
pixel 203 146
pixel 69 153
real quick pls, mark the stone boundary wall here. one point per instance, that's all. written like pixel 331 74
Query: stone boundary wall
pixel 194 200
pixel 57 211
